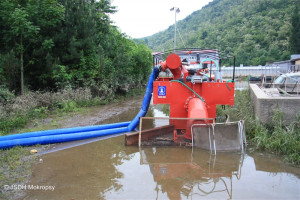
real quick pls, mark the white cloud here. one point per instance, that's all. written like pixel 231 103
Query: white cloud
pixel 141 18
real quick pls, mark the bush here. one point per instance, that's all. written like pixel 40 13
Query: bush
pixel 16 112
pixel 281 139
pixel 7 125
pixel 20 110
pixel 5 95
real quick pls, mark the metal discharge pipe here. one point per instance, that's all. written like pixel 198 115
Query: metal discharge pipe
pixel 196 109
pixel 79 133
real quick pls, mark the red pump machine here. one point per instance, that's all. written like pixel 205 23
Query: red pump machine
pixel 189 94
pixel 190 82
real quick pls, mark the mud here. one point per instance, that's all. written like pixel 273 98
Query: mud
pixel 94 115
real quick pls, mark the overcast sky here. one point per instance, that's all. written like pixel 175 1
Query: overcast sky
pixel 141 18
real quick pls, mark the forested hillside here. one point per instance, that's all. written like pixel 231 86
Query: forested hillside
pixel 57 44
pixel 256 31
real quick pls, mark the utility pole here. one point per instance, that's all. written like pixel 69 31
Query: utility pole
pixel 176 11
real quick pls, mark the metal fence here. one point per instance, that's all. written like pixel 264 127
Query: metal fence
pixel 289 87
pixel 251 71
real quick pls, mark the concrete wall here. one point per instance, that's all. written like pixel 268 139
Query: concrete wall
pixel 265 105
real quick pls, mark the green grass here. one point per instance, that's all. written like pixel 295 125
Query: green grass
pixel 242 110
pixel 279 138
pixel 21 119
pixel 274 137
pixel 15 168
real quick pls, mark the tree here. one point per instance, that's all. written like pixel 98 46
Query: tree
pixel 23 28
pixel 67 43
pixel 26 30
pixel 294 41
pixel 226 25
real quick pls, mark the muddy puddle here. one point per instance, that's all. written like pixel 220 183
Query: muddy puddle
pixel 107 169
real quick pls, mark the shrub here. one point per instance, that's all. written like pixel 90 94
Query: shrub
pixel 5 95
pixel 16 112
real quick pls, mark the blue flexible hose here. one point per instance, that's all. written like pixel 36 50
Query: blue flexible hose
pixel 146 101
pixel 63 131
pixel 50 139
pixel 79 133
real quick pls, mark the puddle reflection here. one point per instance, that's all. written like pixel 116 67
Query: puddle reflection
pixel 109 170
pixel 192 174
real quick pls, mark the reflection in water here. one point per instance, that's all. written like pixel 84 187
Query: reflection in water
pixel 108 170
pixel 192 173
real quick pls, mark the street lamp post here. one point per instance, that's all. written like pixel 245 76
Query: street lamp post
pixel 176 11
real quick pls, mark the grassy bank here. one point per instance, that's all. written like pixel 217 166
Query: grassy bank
pixel 16 112
pixel 274 137
pixel 15 169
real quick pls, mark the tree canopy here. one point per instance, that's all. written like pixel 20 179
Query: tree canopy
pixel 294 42
pixel 56 44
pixel 255 31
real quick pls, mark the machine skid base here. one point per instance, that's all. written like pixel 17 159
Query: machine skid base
pixel 213 137
pixel 159 136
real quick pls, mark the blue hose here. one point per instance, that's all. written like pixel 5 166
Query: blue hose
pixel 209 59
pixel 232 81
pixel 63 131
pixel 146 101
pixel 79 133
pixel 59 138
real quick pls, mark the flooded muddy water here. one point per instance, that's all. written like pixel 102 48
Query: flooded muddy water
pixel 107 169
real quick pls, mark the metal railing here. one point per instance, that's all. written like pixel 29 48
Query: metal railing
pixel 286 87
pixel 202 55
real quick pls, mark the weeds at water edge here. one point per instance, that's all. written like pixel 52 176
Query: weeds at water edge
pixel 274 137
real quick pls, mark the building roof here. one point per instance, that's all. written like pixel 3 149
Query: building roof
pixel 295 57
